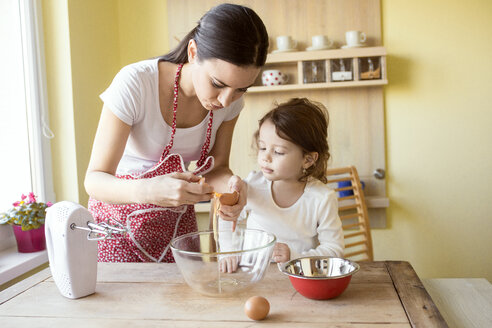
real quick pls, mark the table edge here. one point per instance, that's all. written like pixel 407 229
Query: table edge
pixel 419 307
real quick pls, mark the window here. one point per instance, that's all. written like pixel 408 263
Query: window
pixel 25 160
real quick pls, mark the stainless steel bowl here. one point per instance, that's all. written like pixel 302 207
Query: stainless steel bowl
pixel 319 277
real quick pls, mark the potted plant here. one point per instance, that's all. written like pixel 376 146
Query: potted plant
pixel 27 219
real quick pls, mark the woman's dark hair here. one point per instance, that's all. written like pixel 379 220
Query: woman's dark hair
pixel 305 124
pixel 233 33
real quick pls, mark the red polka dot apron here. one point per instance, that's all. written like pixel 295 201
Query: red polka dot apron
pixel 150 228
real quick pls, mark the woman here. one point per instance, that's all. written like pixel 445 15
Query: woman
pixel 159 115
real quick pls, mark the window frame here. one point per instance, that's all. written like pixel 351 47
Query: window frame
pixel 36 106
pixel 36 99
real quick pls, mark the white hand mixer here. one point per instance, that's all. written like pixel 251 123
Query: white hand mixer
pixel 72 254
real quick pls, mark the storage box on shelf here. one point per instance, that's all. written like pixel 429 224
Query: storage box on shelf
pixel 341 69
pixel 356 67
pixel 369 68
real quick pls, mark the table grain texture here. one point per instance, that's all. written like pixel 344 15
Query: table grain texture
pixel 463 302
pixel 381 294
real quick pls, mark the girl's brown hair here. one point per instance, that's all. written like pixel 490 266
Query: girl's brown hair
pixel 304 123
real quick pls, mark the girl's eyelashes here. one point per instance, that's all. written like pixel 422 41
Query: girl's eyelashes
pixel 276 152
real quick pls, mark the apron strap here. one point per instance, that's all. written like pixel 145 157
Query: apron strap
pixel 175 107
pixel 206 144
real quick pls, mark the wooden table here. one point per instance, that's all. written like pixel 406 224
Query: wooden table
pixel 463 302
pixel 381 294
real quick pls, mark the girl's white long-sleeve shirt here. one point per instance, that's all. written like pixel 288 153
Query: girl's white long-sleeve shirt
pixel 311 226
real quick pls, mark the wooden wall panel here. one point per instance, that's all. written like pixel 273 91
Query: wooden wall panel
pixel 299 18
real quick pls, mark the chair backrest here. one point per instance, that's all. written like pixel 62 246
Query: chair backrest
pixel 352 210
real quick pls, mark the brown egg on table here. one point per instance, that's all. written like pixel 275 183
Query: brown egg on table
pixel 257 307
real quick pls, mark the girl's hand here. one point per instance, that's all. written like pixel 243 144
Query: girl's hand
pixel 281 253
pixel 176 189
pixel 231 213
pixel 229 264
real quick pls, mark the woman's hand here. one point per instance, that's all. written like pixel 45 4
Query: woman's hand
pixel 231 213
pixel 176 189
pixel 281 253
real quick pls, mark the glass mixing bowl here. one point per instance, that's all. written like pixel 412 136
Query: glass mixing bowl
pixel 237 261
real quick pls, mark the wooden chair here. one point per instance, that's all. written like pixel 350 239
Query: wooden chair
pixel 352 210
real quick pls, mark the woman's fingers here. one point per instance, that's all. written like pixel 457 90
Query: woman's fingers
pixel 179 188
pixel 187 176
pixel 193 184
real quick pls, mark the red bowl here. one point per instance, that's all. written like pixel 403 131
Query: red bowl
pixel 320 277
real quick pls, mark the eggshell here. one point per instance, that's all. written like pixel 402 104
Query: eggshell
pixel 229 198
pixel 257 307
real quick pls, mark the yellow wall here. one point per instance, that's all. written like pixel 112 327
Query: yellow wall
pixel 87 43
pixel 437 109
pixel 60 98
pixel 95 57
pixel 142 29
pixel 439 140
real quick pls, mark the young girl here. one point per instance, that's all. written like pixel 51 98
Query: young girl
pixel 158 116
pixel 289 196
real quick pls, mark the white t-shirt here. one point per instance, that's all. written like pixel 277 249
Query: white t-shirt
pixel 310 227
pixel 133 97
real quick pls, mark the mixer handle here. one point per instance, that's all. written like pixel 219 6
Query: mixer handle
pixel 101 231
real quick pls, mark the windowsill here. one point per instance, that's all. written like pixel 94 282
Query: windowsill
pixel 14 264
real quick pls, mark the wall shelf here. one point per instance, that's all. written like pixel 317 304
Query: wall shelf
pixel 313 86
pixel 282 57
pixel 291 63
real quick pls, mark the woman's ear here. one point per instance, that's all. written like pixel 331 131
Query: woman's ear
pixel 192 51
pixel 310 159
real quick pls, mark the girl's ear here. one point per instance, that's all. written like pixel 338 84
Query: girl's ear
pixel 310 159
pixel 192 51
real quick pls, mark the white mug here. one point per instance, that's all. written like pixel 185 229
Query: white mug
pixel 355 38
pixel 273 77
pixel 285 42
pixel 321 41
